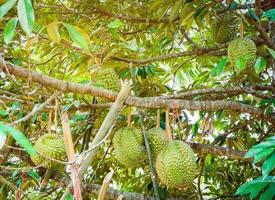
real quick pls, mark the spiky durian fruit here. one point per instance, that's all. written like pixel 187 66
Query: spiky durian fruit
pixel 242 48
pixel 225 28
pixel 176 165
pixel 51 146
pixel 158 140
pixel 128 147
pixel 106 78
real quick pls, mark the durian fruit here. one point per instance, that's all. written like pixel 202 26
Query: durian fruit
pixel 52 146
pixel 128 147
pixel 176 165
pixel 225 28
pixel 242 48
pixel 100 116
pixel 158 140
pixel 106 78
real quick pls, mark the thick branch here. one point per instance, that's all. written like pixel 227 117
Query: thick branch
pixel 201 51
pixel 262 32
pixel 132 101
pixel 203 149
pixel 112 194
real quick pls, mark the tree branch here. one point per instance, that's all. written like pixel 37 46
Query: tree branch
pixel 35 110
pixel 203 149
pixel 146 102
pixel 113 194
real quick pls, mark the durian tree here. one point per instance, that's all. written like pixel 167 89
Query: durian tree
pixel 137 99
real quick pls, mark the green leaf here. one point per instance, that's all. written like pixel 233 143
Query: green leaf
pixel 10 30
pixel 175 10
pixel 3 112
pixel 34 174
pixel 6 7
pixel 69 196
pixel 270 14
pixel 25 15
pixel 116 24
pixel 3 137
pixel 240 64
pixel 260 65
pixel 233 6
pixel 265 153
pixel 272 138
pixel 53 33
pixel 252 13
pixel 259 147
pixel 268 165
pixel 220 66
pixel 269 193
pixel 250 187
pixel 78 35
pixel 254 186
pixel 272 52
pixel 19 137
pixel 267 144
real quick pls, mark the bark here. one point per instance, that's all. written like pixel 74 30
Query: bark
pixel 203 149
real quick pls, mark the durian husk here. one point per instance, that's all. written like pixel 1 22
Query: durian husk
pixel 106 78
pixel 242 48
pixel 225 28
pixel 128 147
pixel 157 140
pixel 51 146
pixel 176 165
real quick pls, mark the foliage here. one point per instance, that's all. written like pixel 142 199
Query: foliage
pixel 262 186
pixel 170 46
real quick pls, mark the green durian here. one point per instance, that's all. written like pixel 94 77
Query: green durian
pixel 106 78
pixel 176 165
pixel 224 28
pixel 242 48
pixel 128 147
pixel 158 140
pixel 49 145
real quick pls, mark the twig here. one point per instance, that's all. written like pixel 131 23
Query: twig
pixel 167 125
pixel 199 178
pixel 35 109
pixel 105 185
pixel 71 155
pixel 4 181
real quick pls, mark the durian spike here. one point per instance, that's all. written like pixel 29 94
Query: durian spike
pixel 158 118
pixel 129 117
pixel 167 125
